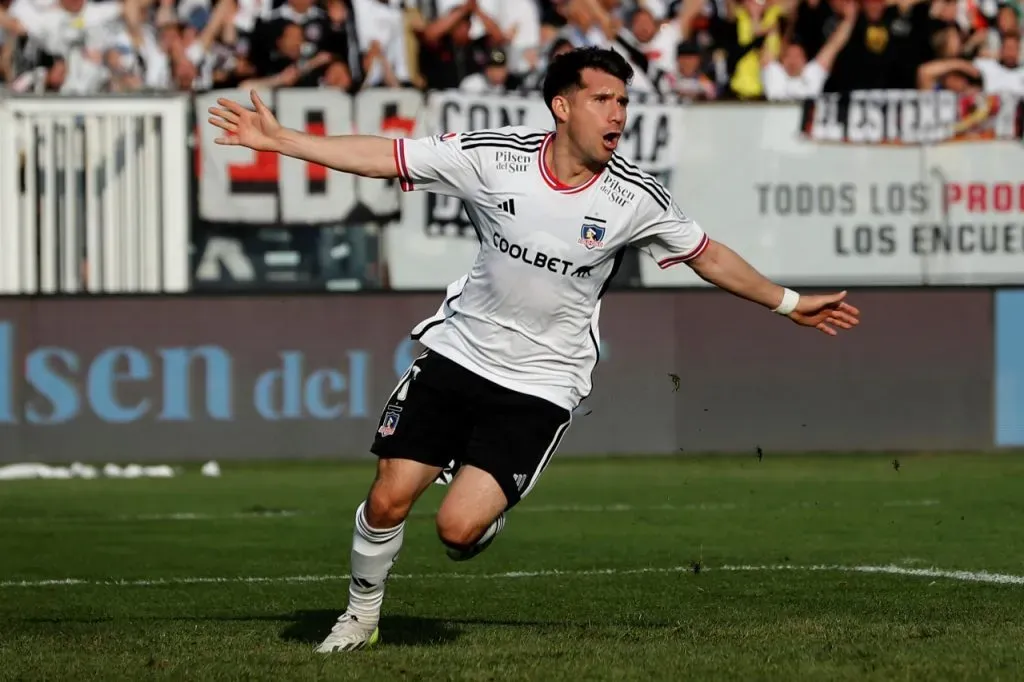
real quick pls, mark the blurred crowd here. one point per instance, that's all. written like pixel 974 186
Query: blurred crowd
pixel 689 49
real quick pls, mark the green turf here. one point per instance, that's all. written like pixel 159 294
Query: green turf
pixel 472 621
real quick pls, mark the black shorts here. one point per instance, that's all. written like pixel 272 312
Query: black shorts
pixel 444 415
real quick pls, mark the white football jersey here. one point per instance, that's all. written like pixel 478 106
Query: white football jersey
pixel 526 315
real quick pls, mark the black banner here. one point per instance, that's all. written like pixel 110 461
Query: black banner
pixel 122 379
pixel 912 117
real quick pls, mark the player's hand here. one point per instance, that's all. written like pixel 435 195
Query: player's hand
pixel 257 130
pixel 825 313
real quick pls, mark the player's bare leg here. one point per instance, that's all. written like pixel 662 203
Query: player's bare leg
pixel 376 541
pixel 472 513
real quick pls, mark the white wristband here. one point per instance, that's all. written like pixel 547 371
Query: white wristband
pixel 789 300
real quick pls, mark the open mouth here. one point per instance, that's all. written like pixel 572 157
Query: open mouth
pixel 611 140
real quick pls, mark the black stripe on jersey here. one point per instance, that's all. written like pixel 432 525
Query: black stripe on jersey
pixel 634 172
pixel 596 220
pixel 476 228
pixel 417 337
pixel 628 166
pixel 480 134
pixel 612 170
pixel 483 138
pixel 620 255
pixel 631 170
pixel 519 147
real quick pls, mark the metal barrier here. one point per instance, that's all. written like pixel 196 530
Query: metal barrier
pixel 94 194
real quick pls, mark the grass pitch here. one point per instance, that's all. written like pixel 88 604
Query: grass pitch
pixel 785 568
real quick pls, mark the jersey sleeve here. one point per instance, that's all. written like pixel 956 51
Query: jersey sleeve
pixel 437 164
pixel 667 235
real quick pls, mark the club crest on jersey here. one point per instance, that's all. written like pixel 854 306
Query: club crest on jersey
pixel 387 428
pixel 591 236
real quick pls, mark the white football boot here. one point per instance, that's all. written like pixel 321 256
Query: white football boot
pixel 348 634
pixel 483 543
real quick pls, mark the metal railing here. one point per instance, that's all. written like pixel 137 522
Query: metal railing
pixel 94 194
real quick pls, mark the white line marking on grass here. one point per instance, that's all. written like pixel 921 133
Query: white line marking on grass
pixel 285 513
pixel 534 509
pixel 585 508
pixel 963 576
pixel 192 516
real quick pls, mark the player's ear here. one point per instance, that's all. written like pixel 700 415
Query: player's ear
pixel 560 107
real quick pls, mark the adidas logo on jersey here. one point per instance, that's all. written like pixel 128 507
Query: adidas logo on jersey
pixel 520 481
pixel 508 206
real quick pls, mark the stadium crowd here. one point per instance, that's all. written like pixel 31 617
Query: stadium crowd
pixel 691 49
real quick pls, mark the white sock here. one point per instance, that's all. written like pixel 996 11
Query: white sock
pixel 374 552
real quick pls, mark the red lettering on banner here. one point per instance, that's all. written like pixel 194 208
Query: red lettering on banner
pixel 1002 197
pixel 265 166
pixel 404 127
pixel 980 197
pixel 976 198
pixel 314 171
pixel 953 194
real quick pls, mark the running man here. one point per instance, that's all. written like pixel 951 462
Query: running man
pixel 510 352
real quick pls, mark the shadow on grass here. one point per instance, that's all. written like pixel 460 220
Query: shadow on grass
pixel 310 627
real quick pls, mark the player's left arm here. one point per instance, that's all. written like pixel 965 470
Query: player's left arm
pixel 672 238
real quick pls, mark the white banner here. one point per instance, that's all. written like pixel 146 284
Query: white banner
pixel 812 212
pixel 239 186
pixel 880 188
pixel 238 191
pixel 436 244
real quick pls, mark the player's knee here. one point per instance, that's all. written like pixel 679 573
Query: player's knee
pixel 458 532
pixel 386 507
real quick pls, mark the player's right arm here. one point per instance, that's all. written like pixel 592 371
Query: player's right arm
pixel 366 155
pixel 425 164
pixel 665 233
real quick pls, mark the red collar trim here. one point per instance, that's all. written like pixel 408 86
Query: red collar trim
pixel 549 175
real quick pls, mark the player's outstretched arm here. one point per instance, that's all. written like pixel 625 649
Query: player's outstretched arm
pixel 366 155
pixel 723 267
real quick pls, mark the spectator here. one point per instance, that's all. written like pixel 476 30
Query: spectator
pixel 534 80
pixel 660 37
pixel 381 30
pixel 8 41
pixel 494 79
pixel 598 23
pixel 888 43
pixel 448 52
pixel 689 81
pixel 70 39
pixel 793 77
pixel 520 22
pixel 1003 75
pixel 752 25
pixel 195 53
pixel 694 50
pixel 293 45
pixel 1007 22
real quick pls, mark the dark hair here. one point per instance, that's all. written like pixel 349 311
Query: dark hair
pixel 565 72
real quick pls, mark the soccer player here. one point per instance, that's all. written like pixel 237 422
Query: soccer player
pixel 510 351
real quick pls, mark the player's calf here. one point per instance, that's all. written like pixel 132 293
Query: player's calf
pixel 376 541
